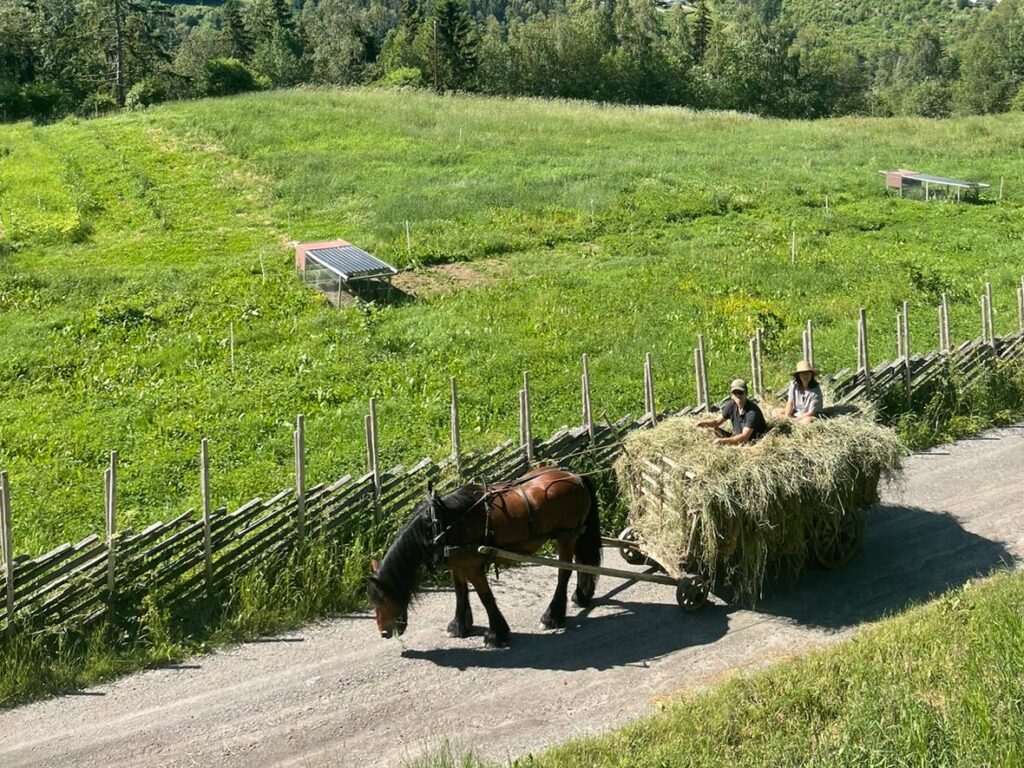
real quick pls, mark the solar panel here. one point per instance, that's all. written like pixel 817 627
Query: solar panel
pixel 350 263
pixel 946 181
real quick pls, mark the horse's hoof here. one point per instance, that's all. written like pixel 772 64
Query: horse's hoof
pixel 550 622
pixel 491 640
pixel 583 601
pixel 456 629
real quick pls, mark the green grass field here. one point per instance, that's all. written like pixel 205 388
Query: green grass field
pixel 130 244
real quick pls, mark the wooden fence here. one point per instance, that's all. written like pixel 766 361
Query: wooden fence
pixel 187 558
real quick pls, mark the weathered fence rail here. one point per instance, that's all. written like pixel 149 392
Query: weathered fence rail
pixel 188 557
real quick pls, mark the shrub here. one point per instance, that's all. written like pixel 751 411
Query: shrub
pixel 226 77
pixel 403 77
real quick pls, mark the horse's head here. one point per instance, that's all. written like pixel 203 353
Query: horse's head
pixel 392 617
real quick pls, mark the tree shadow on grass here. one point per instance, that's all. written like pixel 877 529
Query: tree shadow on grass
pixel 633 634
pixel 909 556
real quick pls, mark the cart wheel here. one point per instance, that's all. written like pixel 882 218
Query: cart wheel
pixel 631 555
pixel 691 593
pixel 834 548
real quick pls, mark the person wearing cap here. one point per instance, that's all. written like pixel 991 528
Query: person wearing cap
pixel 804 401
pixel 748 422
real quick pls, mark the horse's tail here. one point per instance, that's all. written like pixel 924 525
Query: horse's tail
pixel 588 548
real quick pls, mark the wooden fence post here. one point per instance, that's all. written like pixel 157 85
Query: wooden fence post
pixel 809 343
pixel 863 358
pixel 456 437
pixel 6 543
pixel 701 371
pixel 111 510
pixel 759 349
pixel 988 314
pixel 944 346
pixel 204 476
pixel 588 412
pixel 1020 306
pixel 649 389
pixel 374 458
pixel 905 344
pixel 899 335
pixel 752 345
pixel 525 416
pixel 231 333
pixel 300 475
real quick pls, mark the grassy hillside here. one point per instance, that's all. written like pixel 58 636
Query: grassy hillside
pixel 130 244
pixel 870 24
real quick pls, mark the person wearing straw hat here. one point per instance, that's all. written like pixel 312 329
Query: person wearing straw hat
pixel 748 422
pixel 804 401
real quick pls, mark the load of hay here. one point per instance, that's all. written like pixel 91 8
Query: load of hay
pixel 737 514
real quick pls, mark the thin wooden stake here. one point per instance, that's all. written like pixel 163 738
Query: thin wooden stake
pixel 456 438
pixel 300 476
pixel 6 542
pixel 588 411
pixel 111 496
pixel 792 244
pixel 408 238
pixel 375 459
pixel 204 477
pixel 1001 180
pixel 527 421
pixel 231 334
pixel 810 343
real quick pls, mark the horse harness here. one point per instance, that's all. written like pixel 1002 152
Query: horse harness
pixel 442 550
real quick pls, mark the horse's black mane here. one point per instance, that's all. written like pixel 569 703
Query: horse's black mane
pixel 399 574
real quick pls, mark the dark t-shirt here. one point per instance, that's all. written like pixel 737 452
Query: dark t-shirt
pixel 751 417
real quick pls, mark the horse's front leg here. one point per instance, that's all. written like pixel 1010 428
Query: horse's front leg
pixel 462 624
pixel 554 616
pixel 498 633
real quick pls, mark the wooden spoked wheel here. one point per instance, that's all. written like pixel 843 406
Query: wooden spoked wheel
pixel 692 592
pixel 631 555
pixel 835 545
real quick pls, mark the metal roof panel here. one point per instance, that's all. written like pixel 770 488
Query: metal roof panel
pixel 350 263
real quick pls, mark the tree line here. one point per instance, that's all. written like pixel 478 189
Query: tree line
pixel 60 57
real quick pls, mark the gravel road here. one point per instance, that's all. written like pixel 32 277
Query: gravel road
pixel 337 694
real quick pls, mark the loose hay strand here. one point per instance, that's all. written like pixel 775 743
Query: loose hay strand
pixel 758 507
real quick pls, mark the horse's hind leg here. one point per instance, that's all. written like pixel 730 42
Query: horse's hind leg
pixel 554 616
pixel 462 624
pixel 498 632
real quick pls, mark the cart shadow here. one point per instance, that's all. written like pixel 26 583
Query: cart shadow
pixel 635 633
pixel 909 555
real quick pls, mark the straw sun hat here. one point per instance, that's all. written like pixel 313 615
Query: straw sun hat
pixel 805 367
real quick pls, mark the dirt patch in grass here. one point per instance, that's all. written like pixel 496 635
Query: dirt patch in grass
pixel 448 278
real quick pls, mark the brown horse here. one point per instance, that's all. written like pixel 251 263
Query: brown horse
pixel 520 516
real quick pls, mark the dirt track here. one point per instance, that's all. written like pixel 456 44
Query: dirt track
pixel 336 694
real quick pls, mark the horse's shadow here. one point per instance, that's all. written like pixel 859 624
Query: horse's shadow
pixel 909 555
pixel 632 635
